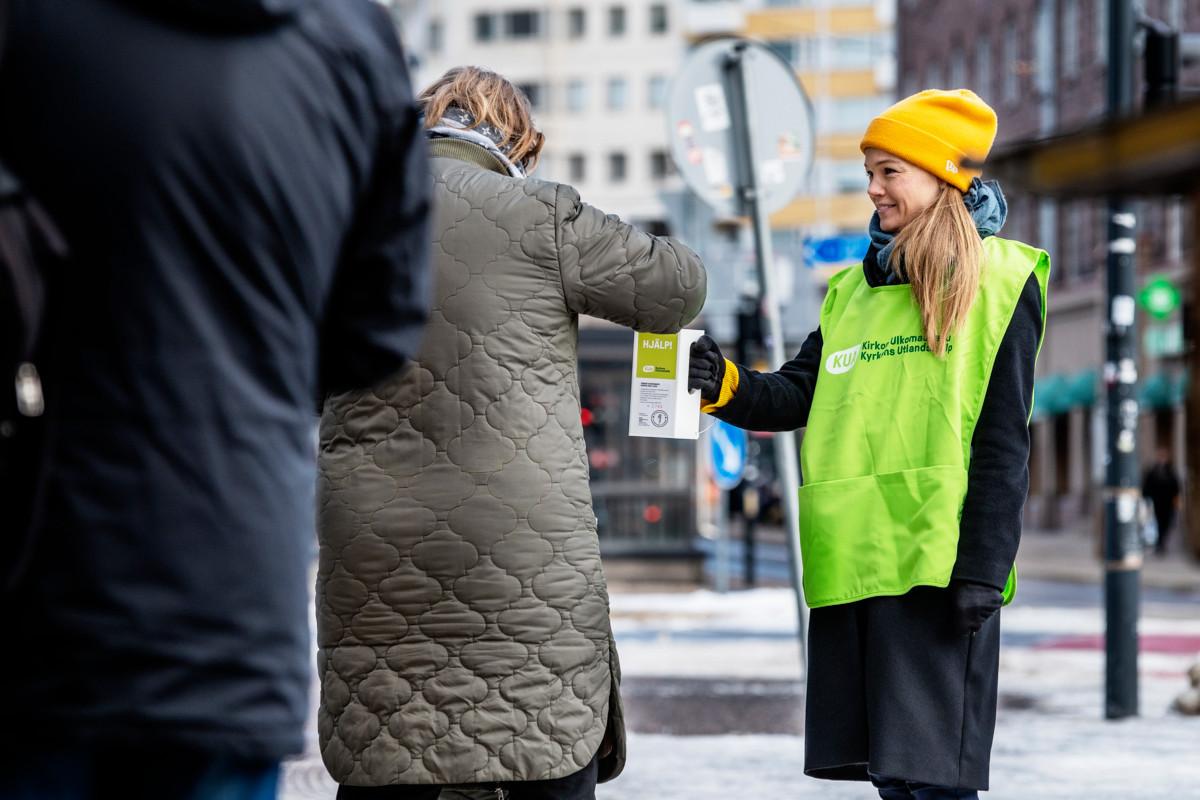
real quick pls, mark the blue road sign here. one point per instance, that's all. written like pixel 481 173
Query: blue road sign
pixel 727 448
pixel 835 249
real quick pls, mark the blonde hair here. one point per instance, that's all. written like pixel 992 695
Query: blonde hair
pixel 491 99
pixel 941 255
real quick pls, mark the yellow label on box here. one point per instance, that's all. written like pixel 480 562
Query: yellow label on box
pixel 656 355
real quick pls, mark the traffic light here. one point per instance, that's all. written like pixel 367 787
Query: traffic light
pixel 749 329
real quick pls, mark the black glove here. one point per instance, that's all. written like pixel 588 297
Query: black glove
pixel 706 369
pixel 974 604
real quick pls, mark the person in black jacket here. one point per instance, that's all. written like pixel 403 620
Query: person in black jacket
pixel 244 188
pixel 1160 485
pixel 902 681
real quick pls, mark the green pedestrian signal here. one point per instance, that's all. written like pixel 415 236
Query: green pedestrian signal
pixel 1160 297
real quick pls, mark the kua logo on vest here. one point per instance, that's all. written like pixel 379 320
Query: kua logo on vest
pixel 842 360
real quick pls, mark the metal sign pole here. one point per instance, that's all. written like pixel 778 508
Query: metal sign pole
pixel 1122 547
pixel 785 442
pixel 1192 445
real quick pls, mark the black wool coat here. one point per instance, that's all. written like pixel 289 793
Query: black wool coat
pixel 892 690
pixel 244 189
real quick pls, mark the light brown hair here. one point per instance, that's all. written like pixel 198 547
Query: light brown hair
pixel 941 255
pixel 491 99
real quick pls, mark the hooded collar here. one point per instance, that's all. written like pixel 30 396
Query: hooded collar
pixel 458 123
pixel 462 150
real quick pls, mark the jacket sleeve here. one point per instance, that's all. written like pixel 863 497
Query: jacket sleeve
pixel 379 301
pixel 776 401
pixel 612 270
pixel 998 477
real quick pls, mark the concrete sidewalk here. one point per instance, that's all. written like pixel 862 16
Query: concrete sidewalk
pixel 1073 555
pixel 1070 555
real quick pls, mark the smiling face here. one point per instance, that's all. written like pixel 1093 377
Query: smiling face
pixel 899 190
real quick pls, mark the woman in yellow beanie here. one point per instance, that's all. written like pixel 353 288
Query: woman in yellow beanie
pixel 916 391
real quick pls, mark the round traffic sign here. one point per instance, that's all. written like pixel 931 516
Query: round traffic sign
pixel 703 121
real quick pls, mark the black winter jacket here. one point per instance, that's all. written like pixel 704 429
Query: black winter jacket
pixel 998 477
pixel 244 188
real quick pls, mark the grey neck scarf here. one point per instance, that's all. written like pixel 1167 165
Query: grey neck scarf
pixel 457 123
pixel 988 209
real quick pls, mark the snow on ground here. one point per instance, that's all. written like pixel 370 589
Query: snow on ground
pixel 1035 758
pixel 1051 741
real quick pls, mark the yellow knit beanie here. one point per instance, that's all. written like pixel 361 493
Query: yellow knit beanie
pixel 937 130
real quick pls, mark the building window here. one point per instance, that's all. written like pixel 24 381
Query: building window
pixel 577 96
pixel 435 36
pixel 617 94
pixel 1069 30
pixel 856 52
pixel 658 18
pixel 1045 71
pixel 848 176
pixel 660 165
pixel 958 68
pixel 1095 253
pixel 577 23
pixel 809 52
pixel 616 20
pixel 801 54
pixel 520 24
pixel 538 94
pixel 1012 65
pixel 785 49
pixel 576 168
pixel 1074 251
pixel 523 24
pixel 616 167
pixel 852 114
pixel 1047 230
pixel 983 68
pixel 656 92
pixel 933 76
pixel 1175 15
pixel 485 27
pixel 1174 232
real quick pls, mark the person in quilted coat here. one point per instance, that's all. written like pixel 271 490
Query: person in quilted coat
pixel 462 614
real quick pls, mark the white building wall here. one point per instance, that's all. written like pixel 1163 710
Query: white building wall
pixel 554 59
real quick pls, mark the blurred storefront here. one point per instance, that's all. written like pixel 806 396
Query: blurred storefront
pixel 1042 64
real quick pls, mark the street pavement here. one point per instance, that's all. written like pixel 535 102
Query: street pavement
pixel 1070 555
pixel 714 701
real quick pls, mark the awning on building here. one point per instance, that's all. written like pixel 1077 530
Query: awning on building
pixel 1163 390
pixel 1157 152
pixel 1061 392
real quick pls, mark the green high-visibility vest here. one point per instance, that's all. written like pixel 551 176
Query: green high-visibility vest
pixel 888 444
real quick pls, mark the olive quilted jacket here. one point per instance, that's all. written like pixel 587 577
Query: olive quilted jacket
pixel 462 614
